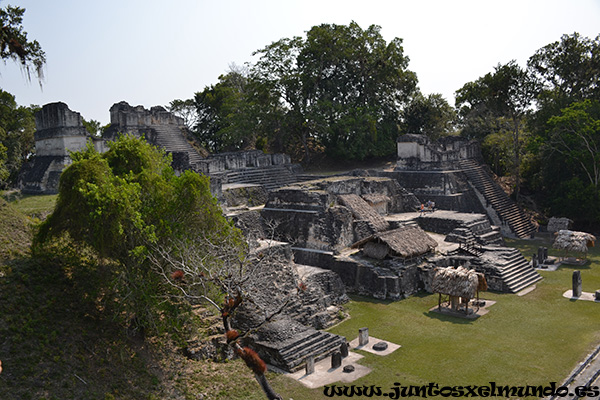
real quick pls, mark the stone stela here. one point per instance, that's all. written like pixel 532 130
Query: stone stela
pixel 363 336
pixel 576 283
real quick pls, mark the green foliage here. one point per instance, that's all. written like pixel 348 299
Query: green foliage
pixel 431 116
pixel 17 125
pixel 342 86
pixel 341 89
pixel 221 113
pixel 15 46
pixel 566 71
pixel 569 174
pixel 575 134
pixel 93 127
pixel 185 109
pixel 124 204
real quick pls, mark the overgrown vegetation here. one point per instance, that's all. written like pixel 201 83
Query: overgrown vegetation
pixel 121 212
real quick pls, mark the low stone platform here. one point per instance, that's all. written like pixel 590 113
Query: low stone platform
pixel 584 296
pixel 391 347
pixel 325 375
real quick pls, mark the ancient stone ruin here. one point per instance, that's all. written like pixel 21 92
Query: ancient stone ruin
pixel 359 233
pixel 60 130
pixel 450 172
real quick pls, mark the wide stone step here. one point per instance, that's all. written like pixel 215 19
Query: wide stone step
pixel 305 348
pixel 291 356
pixel 270 177
pixel 517 273
pixel 517 286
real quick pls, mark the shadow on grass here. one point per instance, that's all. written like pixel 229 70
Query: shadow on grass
pixel 448 318
pixel 55 345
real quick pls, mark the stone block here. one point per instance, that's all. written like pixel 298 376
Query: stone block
pixel 576 283
pixel 310 365
pixel 336 360
pixel 280 159
pixel 363 336
pixel 540 255
pixel 344 349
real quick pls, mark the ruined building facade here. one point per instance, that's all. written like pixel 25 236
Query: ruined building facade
pixel 60 130
pixel 451 172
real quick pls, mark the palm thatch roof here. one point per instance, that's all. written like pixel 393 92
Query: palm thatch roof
pixel 459 282
pixel 361 210
pixel 573 241
pixel 407 241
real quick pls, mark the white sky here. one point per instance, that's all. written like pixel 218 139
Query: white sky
pixel 149 52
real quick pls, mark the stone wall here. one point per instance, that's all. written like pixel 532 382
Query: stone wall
pixel 418 152
pixel 391 279
pixel 59 130
pixel 136 118
pixel 311 214
pixel 216 163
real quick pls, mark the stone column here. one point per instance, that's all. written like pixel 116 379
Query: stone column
pixel 545 254
pixel 540 255
pixel 576 283
pixel 310 365
pixel 363 336
pixel 336 360
pixel 534 262
pixel 344 349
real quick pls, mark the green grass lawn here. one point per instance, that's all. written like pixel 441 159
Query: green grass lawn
pixel 33 206
pixel 528 340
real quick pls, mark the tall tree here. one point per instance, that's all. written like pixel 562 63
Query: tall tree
pixel 431 116
pixel 17 125
pixel 567 70
pixel 220 110
pixel 575 134
pixel 342 87
pixel 15 46
pixel 506 93
pixel 185 109
pixel 564 71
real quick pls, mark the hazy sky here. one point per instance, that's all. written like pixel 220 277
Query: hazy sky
pixel 149 52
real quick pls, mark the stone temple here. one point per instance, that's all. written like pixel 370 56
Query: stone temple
pixel 362 232
pixel 60 130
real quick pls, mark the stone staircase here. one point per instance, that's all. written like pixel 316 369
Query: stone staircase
pixel 272 177
pixel 516 272
pixel 506 209
pixel 291 354
pixel 483 232
pixel 170 138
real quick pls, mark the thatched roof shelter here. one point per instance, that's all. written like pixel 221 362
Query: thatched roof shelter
pixel 405 242
pixel 573 241
pixel 361 210
pixel 459 282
